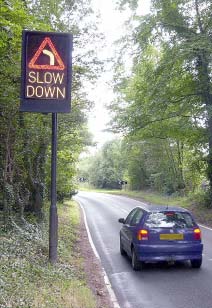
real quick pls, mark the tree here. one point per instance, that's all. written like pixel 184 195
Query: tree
pixel 25 138
pixel 168 95
pixel 106 168
pixel 14 17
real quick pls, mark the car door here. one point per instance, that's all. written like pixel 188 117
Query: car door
pixel 129 229
pixel 124 234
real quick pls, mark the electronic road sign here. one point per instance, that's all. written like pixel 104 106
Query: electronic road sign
pixel 46 72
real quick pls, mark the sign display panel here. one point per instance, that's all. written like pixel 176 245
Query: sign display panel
pixel 46 72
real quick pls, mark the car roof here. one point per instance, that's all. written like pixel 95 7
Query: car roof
pixel 164 208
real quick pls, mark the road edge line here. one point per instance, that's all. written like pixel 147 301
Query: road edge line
pixel 106 279
pixel 203 226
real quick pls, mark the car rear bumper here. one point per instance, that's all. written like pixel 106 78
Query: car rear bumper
pixel 169 252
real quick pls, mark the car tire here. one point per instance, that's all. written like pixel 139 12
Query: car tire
pixel 196 263
pixel 122 251
pixel 136 264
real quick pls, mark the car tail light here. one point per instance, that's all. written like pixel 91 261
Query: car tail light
pixel 197 234
pixel 142 235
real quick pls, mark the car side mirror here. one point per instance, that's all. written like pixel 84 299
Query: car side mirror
pixel 121 220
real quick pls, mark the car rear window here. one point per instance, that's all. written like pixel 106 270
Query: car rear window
pixel 172 219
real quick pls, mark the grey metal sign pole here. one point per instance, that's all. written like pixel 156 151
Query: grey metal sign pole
pixel 53 218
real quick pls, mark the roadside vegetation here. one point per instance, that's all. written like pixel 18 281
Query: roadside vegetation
pixel 28 280
pixel 25 147
pixel 146 166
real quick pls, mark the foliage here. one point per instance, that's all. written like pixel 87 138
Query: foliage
pixel 104 169
pixel 167 98
pixel 160 165
pixel 27 280
pixel 25 138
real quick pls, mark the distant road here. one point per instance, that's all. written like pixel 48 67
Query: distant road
pixel 177 286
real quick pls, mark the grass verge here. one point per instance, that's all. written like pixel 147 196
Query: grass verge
pixel 28 280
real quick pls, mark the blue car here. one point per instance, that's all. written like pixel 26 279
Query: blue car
pixel 155 234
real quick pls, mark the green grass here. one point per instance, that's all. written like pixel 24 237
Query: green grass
pixel 28 280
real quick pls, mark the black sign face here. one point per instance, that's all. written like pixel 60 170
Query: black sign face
pixel 46 72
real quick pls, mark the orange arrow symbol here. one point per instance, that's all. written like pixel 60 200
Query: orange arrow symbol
pixel 52 54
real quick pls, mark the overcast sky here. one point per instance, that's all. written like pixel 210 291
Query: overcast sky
pixel 112 26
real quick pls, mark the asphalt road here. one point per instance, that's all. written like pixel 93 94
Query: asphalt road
pixel 176 286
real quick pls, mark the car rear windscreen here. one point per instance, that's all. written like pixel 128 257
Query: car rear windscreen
pixel 172 219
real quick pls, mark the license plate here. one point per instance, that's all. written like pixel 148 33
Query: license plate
pixel 173 236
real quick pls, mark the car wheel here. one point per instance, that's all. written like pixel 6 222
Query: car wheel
pixel 122 251
pixel 136 264
pixel 196 263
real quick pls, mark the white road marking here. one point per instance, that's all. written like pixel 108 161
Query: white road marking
pixel 125 211
pixel 106 279
pixel 89 234
pixel 131 198
pixel 205 227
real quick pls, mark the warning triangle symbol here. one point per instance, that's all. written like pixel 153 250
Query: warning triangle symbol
pixel 53 59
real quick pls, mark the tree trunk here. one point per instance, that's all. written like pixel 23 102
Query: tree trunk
pixel 181 182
